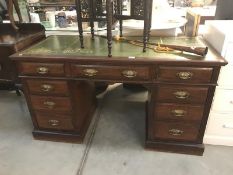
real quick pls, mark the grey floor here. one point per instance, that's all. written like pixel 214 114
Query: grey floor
pixel 116 148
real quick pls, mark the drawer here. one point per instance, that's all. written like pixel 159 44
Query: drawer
pixel 182 94
pixel 54 121
pixel 55 104
pixel 176 131
pixel 42 69
pixel 225 78
pixel 48 87
pixel 220 125
pixel 111 72
pixel 223 100
pixel 185 74
pixel 178 112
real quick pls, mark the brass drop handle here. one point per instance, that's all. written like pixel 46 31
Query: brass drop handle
pixel 129 73
pixel 90 72
pixel 178 112
pixel 184 75
pixel 53 122
pixel 181 94
pixel 46 87
pixel 49 104
pixel 42 70
pixel 176 132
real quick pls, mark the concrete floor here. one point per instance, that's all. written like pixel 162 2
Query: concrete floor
pixel 115 149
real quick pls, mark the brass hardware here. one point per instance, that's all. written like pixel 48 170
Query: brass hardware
pixel 90 72
pixel 46 88
pixel 182 94
pixel 42 70
pixel 129 73
pixel 53 122
pixel 178 112
pixel 49 104
pixel 176 132
pixel 185 75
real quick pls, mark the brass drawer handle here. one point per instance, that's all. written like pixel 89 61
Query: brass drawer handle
pixel 176 132
pixel 42 70
pixel 181 94
pixel 46 87
pixel 53 122
pixel 178 112
pixel 184 75
pixel 49 104
pixel 129 73
pixel 90 72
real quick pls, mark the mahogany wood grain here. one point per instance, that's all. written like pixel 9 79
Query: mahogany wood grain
pixel 51 69
pixel 184 112
pixel 51 104
pixel 48 87
pixel 111 72
pixel 174 74
pixel 188 132
pixel 194 95
pixel 54 121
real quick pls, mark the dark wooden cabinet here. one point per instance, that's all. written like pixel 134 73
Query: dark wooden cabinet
pixel 12 41
pixel 60 92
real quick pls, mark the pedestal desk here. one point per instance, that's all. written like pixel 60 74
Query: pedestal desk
pixel 58 79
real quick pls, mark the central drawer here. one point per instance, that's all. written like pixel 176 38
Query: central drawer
pixel 182 94
pixel 176 131
pixel 53 104
pixel 111 72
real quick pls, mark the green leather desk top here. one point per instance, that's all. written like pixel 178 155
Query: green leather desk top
pixel 69 46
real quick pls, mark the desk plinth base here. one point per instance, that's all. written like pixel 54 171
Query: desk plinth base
pixel 193 149
pixel 58 136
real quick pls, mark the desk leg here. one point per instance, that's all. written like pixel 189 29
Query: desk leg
pixel 79 20
pixel 109 9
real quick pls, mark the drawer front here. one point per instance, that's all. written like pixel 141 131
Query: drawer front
pixel 48 87
pixel 179 112
pixel 220 125
pixel 55 104
pixel 42 69
pixel 223 100
pixel 184 74
pixel 54 121
pixel 176 131
pixel 182 94
pixel 111 72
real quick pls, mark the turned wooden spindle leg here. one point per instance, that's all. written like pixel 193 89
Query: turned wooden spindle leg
pixel 146 25
pixel 17 9
pixel 79 20
pixel 109 10
pixel 150 18
pixel 119 4
pixel 91 12
pixel 10 6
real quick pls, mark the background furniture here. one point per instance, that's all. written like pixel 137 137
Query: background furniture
pixel 57 78
pixel 12 42
pixel 220 125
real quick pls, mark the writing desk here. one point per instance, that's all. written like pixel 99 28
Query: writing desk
pixel 58 79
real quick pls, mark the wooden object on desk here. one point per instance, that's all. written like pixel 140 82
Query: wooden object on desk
pixel 192 25
pixel 59 90
pixel 12 41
